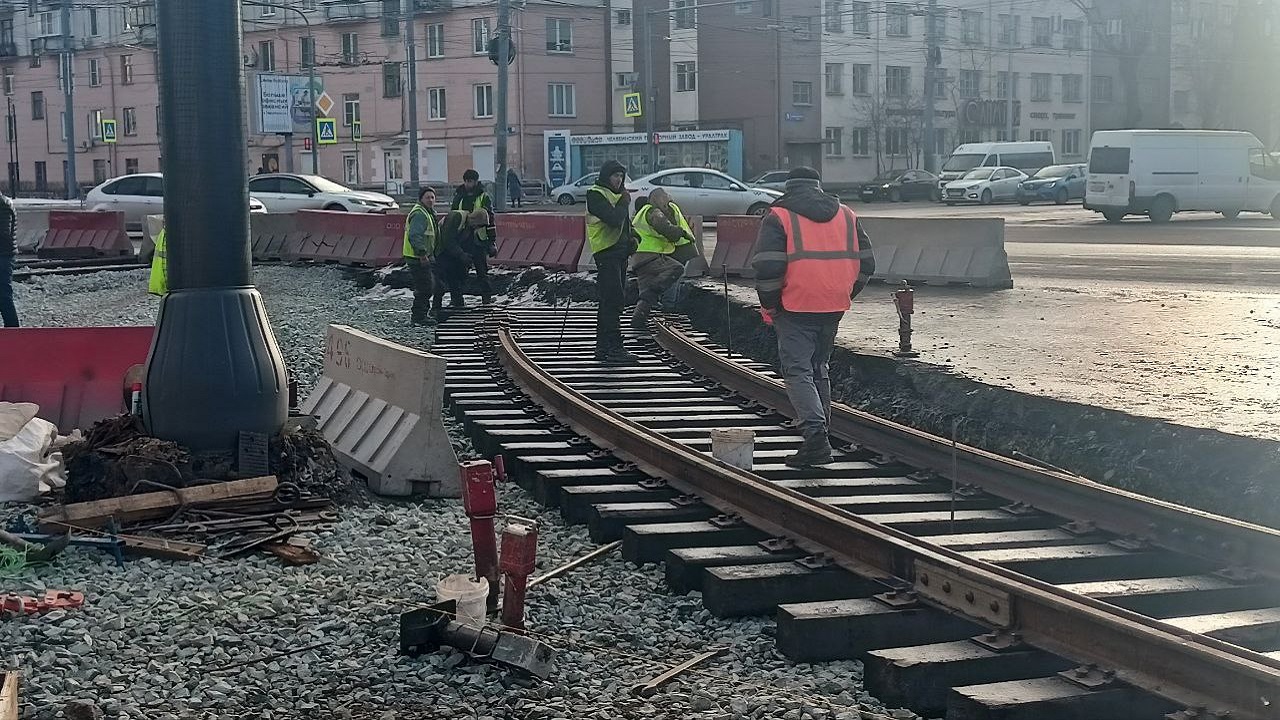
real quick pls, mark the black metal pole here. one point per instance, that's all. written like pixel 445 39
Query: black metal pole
pixel 728 316
pixel 214 367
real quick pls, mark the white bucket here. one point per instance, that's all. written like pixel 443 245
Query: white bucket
pixel 471 596
pixel 734 446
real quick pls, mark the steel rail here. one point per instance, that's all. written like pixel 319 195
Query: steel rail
pixel 1144 653
pixel 1232 543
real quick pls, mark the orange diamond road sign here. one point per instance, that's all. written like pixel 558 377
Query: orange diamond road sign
pixel 324 103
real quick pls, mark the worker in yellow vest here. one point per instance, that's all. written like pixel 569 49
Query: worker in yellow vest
pixel 609 235
pixel 665 243
pixel 419 250
pixel 472 196
pixel 159 282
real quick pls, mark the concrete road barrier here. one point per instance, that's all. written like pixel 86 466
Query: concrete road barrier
pixel 735 239
pixel 78 234
pixel 380 407
pixel 363 239
pixel 271 233
pixel 32 226
pixel 940 250
pixel 554 241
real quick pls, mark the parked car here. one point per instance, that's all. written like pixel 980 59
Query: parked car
pixel 576 191
pixel 984 185
pixel 706 192
pixel 772 180
pixel 137 196
pixel 1027 156
pixel 285 192
pixel 900 185
pixel 1058 183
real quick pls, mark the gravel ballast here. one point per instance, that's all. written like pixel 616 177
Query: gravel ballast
pixel 165 640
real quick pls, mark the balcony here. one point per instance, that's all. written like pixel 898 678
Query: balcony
pixel 432 5
pixel 346 11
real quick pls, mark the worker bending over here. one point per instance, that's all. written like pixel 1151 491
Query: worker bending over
pixel 664 244
pixel 462 248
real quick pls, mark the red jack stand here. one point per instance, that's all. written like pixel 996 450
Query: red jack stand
pixel 480 501
pixel 519 553
pixel 905 301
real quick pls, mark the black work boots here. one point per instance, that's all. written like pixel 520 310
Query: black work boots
pixel 815 450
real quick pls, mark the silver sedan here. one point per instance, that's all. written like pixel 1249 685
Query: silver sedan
pixel 705 192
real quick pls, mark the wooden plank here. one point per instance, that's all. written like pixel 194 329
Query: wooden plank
pixel 156 505
pixel 9 696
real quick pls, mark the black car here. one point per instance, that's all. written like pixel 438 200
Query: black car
pixel 900 185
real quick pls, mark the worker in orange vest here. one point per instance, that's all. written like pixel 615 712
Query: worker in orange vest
pixel 811 258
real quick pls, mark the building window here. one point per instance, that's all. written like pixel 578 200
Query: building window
pixel 1041 32
pixel 126 69
pixel 861 84
pixel 62 123
pixel 436 109
pixel 47 25
pixel 940 146
pixel 268 10
pixel 93 22
pixel 306 52
pixel 859 144
pixel 743 7
pixel 561 101
pixel 95 72
pixel 802 27
pixel 130 120
pixel 897 20
pixel 482 101
pixel 350 109
pixel 834 141
pixel 970 83
pixel 939 25
pixel 1041 136
pixel 42 176
pixel 1072 88
pixel 390 79
pixel 99 171
pixel 971 27
pixel 1071 142
pixel 766 8
pixel 686 76
pixel 37 105
pixel 1073 34
pixel 6 33
pixel 834 19
pixel 895 141
pixel 390 18
pixel 624 80
pixel 480 36
pixel 622 17
pixel 897 81
pixel 1009 29
pixel 351 168
pixel 801 93
pixel 1002 85
pixel 435 40
pixel 686 15
pixel 95 124
pixel 8 81
pixel 940 80
pixel 1102 88
pixel 350 48
pixel 1040 87
pixel 267 56
pixel 833 78
pixel 131 166
pixel 559 35
pixel 860 18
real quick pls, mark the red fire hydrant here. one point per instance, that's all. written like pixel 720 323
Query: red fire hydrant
pixel 480 501
pixel 905 301
pixel 519 552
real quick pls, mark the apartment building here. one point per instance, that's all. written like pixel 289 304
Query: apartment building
pixel 357 52
pixel 1033 52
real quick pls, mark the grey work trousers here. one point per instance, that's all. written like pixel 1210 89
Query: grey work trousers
pixel 655 274
pixel 805 342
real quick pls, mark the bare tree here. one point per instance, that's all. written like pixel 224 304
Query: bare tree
pixel 1128 38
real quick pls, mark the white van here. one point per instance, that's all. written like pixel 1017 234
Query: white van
pixel 1159 172
pixel 1028 157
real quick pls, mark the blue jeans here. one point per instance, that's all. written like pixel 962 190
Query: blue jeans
pixel 8 312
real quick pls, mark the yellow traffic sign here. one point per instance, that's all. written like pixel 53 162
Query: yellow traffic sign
pixel 327 131
pixel 108 131
pixel 631 106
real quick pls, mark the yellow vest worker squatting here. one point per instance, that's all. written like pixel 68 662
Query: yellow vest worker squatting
pixel 664 245
pixel 811 258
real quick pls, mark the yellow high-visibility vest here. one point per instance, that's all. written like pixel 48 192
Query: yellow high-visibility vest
pixel 652 241
pixel 599 234
pixel 159 282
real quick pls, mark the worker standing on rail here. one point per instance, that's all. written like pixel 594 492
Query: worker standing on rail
pixel 609 235
pixel 461 248
pixel 8 248
pixel 420 240
pixel 811 258
pixel 664 241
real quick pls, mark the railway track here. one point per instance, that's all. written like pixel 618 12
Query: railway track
pixel 970 585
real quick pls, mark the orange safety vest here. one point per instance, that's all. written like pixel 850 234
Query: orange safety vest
pixel 822 261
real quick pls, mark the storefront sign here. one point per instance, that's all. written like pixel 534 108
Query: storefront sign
pixel 623 139
pixel 990 112
pixel 691 136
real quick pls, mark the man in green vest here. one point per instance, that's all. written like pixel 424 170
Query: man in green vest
pixel 471 196
pixel 609 235
pixel 159 282
pixel 665 244
pixel 419 248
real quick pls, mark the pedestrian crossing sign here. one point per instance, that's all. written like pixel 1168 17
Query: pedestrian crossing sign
pixel 327 131
pixel 631 105
pixel 356 134
pixel 108 131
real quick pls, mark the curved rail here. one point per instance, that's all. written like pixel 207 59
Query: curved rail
pixel 1185 530
pixel 1144 653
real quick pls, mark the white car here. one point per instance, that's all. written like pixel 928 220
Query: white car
pixel 576 191
pixel 137 196
pixel 705 192
pixel 984 185
pixel 286 193
pixel 772 180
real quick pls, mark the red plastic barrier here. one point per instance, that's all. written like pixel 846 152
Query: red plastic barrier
pixel 551 240
pixel 75 375
pixel 735 239
pixel 368 239
pixel 75 234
